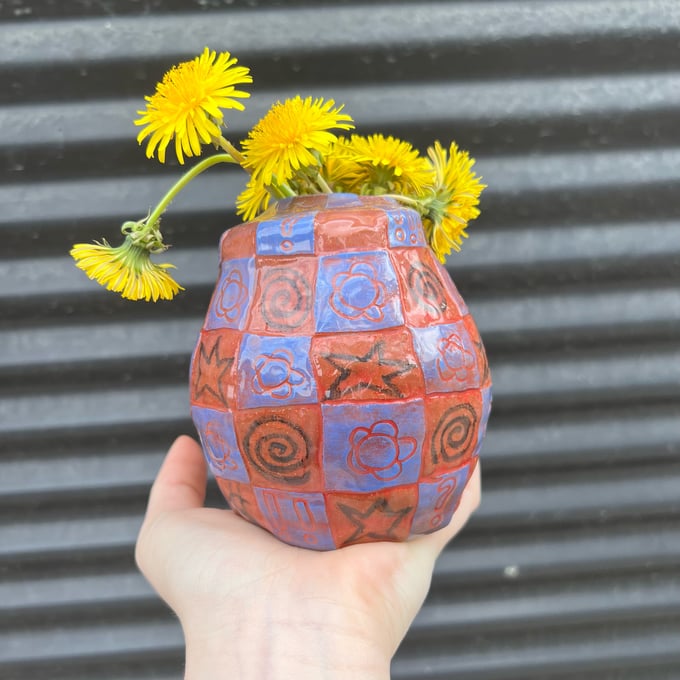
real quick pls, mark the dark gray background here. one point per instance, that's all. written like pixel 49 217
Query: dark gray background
pixel 570 568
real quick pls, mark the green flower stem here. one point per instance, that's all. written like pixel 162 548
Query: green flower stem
pixel 227 146
pixel 206 163
pixel 323 184
pixel 285 189
pixel 406 199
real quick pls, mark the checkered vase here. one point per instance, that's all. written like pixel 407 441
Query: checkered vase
pixel 339 385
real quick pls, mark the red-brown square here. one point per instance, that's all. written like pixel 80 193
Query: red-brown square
pixel 238 242
pixel 281 446
pixel 303 204
pixel 451 431
pixel 242 501
pixel 482 361
pixel 213 379
pixel 449 285
pixel 345 230
pixel 285 295
pixel 427 297
pixel 386 515
pixel 379 365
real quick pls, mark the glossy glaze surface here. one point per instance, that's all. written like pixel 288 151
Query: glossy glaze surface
pixel 339 385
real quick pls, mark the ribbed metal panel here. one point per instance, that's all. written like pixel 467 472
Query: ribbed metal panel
pixel 570 567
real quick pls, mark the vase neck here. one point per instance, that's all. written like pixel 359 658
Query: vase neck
pixel 314 202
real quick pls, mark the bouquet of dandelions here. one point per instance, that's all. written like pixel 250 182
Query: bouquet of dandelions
pixel 293 150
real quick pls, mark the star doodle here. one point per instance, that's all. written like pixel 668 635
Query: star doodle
pixel 206 388
pixel 240 506
pixel 381 518
pixel 371 371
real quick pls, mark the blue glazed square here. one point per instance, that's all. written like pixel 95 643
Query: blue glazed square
pixel 437 500
pixel 231 299
pixel 404 229
pixel 357 291
pixel 486 412
pixel 275 371
pixel 287 235
pixel 216 431
pixel 297 518
pixel 447 356
pixel 344 201
pixel 367 446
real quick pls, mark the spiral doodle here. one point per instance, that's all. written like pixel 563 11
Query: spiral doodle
pixel 286 299
pixel 454 435
pixel 427 290
pixel 279 449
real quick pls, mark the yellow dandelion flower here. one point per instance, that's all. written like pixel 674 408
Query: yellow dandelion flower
pixel 252 200
pixel 379 164
pixel 291 136
pixel 338 169
pixel 127 270
pixel 188 103
pixel 457 190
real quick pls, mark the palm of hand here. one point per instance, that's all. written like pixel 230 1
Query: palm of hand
pixel 221 574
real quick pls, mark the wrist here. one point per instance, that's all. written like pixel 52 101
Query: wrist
pixel 284 650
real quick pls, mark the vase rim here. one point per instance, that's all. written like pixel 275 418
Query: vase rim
pixel 337 200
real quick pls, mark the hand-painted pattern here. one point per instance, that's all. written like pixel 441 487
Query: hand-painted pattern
pixel 447 357
pixel 427 290
pixel 298 518
pixel 455 436
pixel 339 386
pixel 275 375
pixel 454 361
pixel 286 298
pixel 358 293
pixel 289 235
pixel 241 500
pixel 211 367
pixel 404 228
pixel 372 373
pixel 231 299
pixel 367 446
pixel 218 438
pixel 274 371
pixel 279 449
pixel 232 296
pixel 379 450
pixel 438 499
pixel 379 522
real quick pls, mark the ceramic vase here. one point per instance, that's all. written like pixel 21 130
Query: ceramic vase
pixel 339 385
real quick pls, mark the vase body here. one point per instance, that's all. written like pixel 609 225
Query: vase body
pixel 339 385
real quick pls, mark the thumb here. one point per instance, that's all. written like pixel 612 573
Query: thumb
pixel 179 485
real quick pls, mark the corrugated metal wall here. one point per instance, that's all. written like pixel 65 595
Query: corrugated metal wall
pixel 571 567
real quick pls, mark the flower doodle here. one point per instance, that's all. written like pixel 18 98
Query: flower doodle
pixel 275 375
pixel 217 449
pixel 358 293
pixel 379 451
pixel 454 361
pixel 232 295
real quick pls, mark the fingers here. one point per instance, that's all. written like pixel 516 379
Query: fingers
pixel 181 481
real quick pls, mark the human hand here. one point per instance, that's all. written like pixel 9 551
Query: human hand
pixel 252 607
